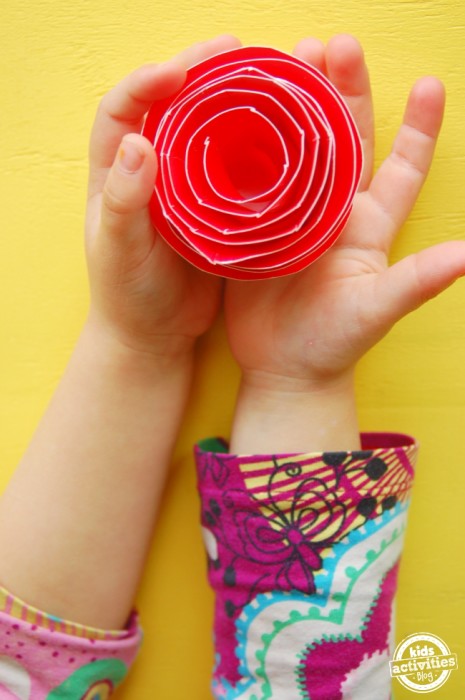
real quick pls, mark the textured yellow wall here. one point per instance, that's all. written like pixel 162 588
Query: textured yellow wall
pixel 57 59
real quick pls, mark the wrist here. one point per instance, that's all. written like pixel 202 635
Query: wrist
pixel 101 356
pixel 161 353
pixel 285 414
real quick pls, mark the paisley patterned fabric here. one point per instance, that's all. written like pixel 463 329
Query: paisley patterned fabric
pixel 303 552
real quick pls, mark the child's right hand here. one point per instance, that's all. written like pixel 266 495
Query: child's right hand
pixel 142 293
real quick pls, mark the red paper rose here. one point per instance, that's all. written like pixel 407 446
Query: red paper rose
pixel 259 161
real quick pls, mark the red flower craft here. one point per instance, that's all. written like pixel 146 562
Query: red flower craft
pixel 259 162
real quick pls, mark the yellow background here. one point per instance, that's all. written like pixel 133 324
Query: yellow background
pixel 57 58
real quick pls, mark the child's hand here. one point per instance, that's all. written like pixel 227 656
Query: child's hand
pixel 308 330
pixel 99 457
pixel 142 292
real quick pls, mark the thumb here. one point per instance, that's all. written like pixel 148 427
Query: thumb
pixel 124 215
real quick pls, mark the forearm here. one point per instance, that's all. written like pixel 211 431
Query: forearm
pixel 282 414
pixel 77 517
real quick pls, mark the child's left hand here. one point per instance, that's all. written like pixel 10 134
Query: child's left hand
pixel 312 327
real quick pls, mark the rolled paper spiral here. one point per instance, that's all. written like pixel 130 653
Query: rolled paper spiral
pixel 259 162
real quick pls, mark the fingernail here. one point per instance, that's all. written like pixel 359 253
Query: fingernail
pixel 130 158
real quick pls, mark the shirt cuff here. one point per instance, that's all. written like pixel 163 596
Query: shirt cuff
pixel 368 481
pixel 303 552
pixel 43 657
pixel 17 608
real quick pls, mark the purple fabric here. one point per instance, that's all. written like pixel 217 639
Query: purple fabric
pixel 270 521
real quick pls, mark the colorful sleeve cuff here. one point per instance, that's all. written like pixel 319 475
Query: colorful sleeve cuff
pixel 43 657
pixel 303 552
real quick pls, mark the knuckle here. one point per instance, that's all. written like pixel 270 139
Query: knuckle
pixel 113 202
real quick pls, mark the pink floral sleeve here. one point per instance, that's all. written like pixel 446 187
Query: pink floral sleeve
pixel 45 658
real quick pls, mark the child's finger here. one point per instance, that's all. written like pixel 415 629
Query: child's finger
pixel 398 182
pixel 124 219
pixel 311 51
pixel 417 278
pixel 122 110
pixel 346 68
pixel 199 52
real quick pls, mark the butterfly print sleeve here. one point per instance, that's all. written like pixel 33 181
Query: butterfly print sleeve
pixel 303 554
